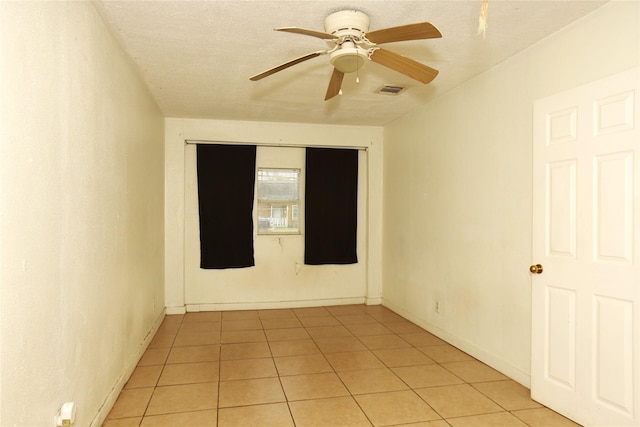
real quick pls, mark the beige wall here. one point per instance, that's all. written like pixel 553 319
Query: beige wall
pixel 457 190
pixel 280 278
pixel 81 270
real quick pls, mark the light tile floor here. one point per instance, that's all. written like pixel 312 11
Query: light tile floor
pixel 352 365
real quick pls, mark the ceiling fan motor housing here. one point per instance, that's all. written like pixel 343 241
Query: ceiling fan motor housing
pixel 347 23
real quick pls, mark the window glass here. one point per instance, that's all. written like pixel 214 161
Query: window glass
pixel 278 201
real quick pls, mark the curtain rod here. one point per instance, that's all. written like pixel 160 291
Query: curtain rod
pixel 269 144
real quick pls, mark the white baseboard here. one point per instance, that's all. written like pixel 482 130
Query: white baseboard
pixel 496 363
pixel 111 398
pixel 373 301
pixel 273 304
pixel 176 310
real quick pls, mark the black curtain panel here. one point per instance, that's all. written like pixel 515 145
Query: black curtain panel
pixel 226 177
pixel 331 206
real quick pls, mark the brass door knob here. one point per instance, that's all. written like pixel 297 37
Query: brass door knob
pixel 536 269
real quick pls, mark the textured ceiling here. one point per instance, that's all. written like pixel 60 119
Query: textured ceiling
pixel 197 56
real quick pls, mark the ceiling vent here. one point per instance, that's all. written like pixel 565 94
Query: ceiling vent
pixel 390 89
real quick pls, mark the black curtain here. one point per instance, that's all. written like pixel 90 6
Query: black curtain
pixel 226 177
pixel 331 206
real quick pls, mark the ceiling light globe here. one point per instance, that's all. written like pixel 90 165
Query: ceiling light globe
pixel 348 60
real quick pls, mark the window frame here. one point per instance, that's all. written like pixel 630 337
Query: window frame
pixel 287 205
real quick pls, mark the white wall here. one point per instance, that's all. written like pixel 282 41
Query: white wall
pixel 81 269
pixel 280 278
pixel 457 190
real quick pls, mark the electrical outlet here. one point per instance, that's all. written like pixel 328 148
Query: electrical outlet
pixel 66 416
pixel 437 306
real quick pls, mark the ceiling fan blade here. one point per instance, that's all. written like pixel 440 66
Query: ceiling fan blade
pixel 304 31
pixel 404 65
pixel 287 65
pixel 419 31
pixel 334 84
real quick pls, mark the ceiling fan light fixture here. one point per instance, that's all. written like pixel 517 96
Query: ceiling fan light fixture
pixel 349 59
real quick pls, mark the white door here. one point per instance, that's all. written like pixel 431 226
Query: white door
pixel 585 300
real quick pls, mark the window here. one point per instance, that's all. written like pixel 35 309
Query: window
pixel 278 201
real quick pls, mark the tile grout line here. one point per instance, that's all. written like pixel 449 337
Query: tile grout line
pixel 155 387
pixel 390 369
pixel 359 338
pixel 341 379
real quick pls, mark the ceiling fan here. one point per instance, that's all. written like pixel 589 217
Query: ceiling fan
pixel 354 43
